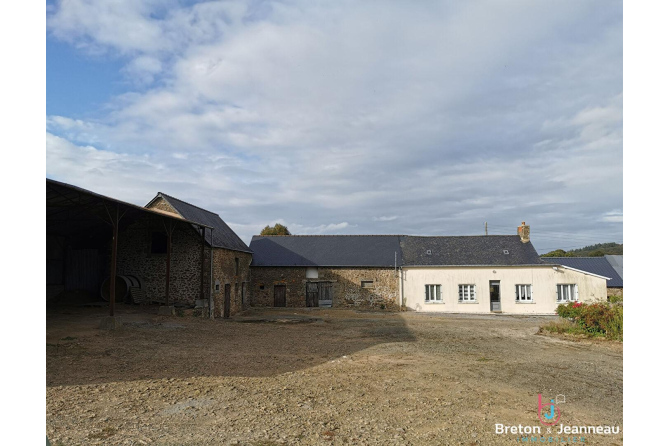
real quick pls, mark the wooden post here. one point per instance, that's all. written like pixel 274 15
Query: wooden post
pixel 112 278
pixel 167 264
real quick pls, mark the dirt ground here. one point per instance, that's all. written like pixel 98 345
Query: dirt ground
pixel 320 376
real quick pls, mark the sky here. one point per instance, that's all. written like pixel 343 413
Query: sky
pixel 349 117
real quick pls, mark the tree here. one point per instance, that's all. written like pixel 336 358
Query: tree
pixel 558 253
pixel 277 229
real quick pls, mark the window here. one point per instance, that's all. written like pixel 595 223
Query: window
pixel 237 266
pixel 367 284
pixel 158 243
pixel 433 293
pixel 217 286
pixel 261 287
pixel 524 293
pixel 466 293
pixel 567 293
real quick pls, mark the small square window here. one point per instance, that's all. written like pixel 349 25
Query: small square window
pixel 433 293
pixel 367 284
pixel 261 287
pixel 524 293
pixel 158 243
pixel 567 292
pixel 467 293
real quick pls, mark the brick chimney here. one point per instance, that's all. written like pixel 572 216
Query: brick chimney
pixel 524 232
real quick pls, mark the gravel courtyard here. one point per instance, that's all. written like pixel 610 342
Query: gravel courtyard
pixel 320 376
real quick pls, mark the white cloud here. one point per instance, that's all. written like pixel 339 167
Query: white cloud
pixel 355 112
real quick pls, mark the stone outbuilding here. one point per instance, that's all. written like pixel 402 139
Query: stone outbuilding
pixel 229 255
pixel 169 252
pixel 325 271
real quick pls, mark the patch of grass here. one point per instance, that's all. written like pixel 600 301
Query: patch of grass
pixel 483 359
pixel 68 338
pixel 563 327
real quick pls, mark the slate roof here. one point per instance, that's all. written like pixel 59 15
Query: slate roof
pixel 384 250
pixel 224 237
pixel 479 250
pixel 326 250
pixel 617 264
pixel 595 265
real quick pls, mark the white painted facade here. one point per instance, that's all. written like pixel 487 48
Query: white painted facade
pixel 543 279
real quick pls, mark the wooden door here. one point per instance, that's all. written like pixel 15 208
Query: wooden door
pixel 312 294
pixel 280 295
pixel 226 301
pixel 325 294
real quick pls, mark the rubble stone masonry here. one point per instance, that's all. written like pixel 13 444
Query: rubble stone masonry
pixel 348 291
pixel 135 258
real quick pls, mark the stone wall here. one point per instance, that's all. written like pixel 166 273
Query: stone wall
pixel 134 257
pixel 224 273
pixel 162 205
pixel 347 289
pixel 614 292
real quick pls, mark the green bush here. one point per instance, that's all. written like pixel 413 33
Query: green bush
pixel 597 319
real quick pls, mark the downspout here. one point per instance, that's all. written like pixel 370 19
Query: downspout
pixel 211 274
pixel 402 288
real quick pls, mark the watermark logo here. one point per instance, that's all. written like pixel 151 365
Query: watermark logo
pixel 550 416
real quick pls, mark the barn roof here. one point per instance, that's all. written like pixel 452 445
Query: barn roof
pixel 77 212
pixel 224 237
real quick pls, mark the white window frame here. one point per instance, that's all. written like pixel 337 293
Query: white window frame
pixel 524 293
pixel 433 293
pixel 567 292
pixel 467 292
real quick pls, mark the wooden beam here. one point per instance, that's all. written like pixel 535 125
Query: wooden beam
pixel 112 277
pixel 167 264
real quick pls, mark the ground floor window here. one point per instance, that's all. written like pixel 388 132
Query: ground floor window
pixel 433 293
pixel 524 293
pixel 567 292
pixel 466 293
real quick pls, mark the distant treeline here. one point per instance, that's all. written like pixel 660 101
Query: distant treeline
pixel 598 250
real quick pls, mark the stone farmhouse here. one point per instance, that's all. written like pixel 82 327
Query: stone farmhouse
pixel 461 274
pixel 177 254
